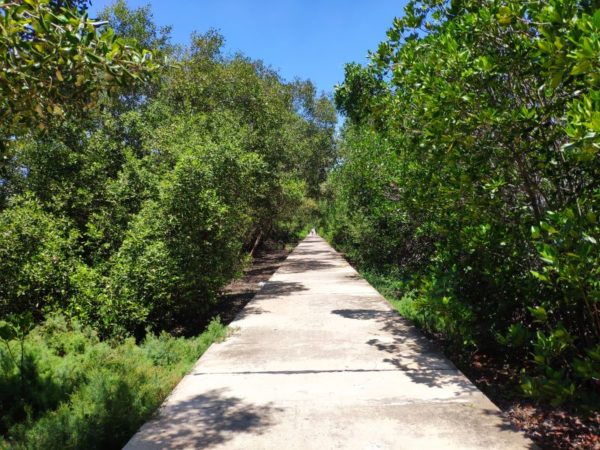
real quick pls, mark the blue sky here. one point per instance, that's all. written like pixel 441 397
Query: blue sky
pixel 300 38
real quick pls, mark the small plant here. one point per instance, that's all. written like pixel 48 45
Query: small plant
pixel 16 328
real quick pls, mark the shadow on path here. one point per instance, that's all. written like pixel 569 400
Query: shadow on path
pixel 302 265
pixel 270 288
pixel 281 288
pixel 409 350
pixel 207 420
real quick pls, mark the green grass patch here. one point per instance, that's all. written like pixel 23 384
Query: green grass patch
pixel 72 391
pixel 397 293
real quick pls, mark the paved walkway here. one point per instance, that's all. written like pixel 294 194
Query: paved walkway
pixel 319 360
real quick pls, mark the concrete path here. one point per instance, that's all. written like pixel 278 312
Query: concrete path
pixel 319 360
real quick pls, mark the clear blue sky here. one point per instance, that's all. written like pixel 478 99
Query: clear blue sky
pixel 300 38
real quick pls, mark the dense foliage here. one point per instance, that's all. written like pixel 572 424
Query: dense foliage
pixel 130 194
pixel 470 174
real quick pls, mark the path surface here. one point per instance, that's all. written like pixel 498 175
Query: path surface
pixel 319 360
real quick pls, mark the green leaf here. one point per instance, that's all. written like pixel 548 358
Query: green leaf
pixel 548 254
pixel 540 276
pixel 504 16
pixel 539 313
pixel 7 331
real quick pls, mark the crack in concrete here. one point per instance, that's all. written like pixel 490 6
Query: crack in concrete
pixel 300 372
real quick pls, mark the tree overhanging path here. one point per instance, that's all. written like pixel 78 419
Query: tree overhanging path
pixel 318 359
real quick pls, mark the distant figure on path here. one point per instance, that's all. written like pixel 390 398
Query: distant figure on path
pixel 312 232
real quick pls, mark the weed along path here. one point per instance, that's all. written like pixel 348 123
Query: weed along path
pixel 319 360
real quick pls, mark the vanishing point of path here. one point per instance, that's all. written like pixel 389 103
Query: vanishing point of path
pixel 319 360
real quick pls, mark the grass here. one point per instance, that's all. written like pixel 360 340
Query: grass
pixel 73 391
pixel 400 296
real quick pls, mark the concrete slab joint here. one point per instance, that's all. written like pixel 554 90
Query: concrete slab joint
pixel 320 360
